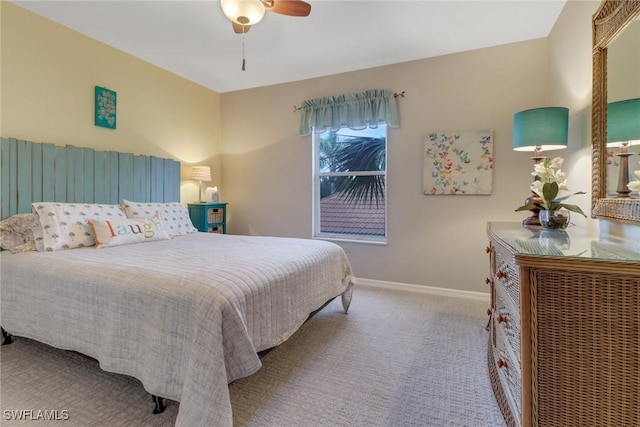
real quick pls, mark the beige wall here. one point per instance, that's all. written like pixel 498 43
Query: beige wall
pixel 263 168
pixel 48 75
pixel 570 77
pixel 432 240
pixel 623 64
pixel 570 86
pixel 435 241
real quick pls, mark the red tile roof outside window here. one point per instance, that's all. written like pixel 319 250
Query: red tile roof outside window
pixel 338 216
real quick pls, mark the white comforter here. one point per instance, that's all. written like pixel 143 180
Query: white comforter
pixel 185 316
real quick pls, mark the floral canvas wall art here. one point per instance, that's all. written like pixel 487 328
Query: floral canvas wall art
pixel 457 163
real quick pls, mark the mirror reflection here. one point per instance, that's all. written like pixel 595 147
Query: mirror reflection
pixel 623 84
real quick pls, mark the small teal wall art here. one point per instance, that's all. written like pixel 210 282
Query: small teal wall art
pixel 105 108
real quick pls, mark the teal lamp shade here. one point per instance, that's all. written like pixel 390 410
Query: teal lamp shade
pixel 541 129
pixel 623 122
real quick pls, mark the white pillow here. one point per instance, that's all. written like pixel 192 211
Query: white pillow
pixel 175 217
pixel 38 235
pixel 64 225
pixel 127 231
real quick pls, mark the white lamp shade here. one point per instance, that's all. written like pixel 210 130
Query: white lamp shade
pixel 243 12
pixel 201 173
pixel 619 144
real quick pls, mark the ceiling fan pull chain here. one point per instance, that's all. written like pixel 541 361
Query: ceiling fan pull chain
pixel 243 61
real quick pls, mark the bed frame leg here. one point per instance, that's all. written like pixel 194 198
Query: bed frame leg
pixel 158 404
pixel 6 337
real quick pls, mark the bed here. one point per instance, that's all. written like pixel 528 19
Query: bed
pixel 186 314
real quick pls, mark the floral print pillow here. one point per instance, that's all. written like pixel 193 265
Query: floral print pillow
pixel 17 233
pixel 175 217
pixel 64 225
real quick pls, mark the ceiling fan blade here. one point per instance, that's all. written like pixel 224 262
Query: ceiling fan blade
pixel 288 7
pixel 240 29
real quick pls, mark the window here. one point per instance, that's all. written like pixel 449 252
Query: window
pixel 349 194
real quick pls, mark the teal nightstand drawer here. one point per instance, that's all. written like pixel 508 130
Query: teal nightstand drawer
pixel 209 217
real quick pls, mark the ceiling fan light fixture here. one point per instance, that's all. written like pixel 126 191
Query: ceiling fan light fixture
pixel 243 12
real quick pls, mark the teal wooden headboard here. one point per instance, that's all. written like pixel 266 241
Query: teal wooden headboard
pixel 42 172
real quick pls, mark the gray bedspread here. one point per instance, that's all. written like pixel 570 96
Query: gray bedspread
pixel 184 316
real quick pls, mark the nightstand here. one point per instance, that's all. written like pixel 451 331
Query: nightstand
pixel 209 217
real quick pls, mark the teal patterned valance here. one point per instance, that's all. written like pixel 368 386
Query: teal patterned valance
pixel 354 110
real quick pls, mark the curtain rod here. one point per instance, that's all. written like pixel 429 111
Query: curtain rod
pixel 395 95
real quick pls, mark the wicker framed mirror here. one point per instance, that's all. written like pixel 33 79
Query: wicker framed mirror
pixel 609 20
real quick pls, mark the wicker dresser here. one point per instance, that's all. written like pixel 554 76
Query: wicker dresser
pixel 564 346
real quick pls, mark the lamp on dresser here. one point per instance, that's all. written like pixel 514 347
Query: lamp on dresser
pixel 200 173
pixel 623 131
pixel 537 130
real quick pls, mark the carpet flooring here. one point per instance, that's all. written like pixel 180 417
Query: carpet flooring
pixel 397 359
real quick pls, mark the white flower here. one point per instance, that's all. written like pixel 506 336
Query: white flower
pixel 536 187
pixel 556 162
pixel 544 173
pixel 549 171
pixel 550 180
pixel 635 185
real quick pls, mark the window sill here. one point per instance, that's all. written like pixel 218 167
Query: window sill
pixel 378 242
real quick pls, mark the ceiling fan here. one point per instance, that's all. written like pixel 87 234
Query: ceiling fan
pixel 245 13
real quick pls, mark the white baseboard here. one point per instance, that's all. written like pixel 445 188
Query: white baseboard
pixel 479 296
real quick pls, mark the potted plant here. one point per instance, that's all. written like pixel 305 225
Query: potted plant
pixel 635 185
pixel 550 180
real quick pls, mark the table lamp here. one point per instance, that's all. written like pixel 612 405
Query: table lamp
pixel 537 130
pixel 623 131
pixel 200 173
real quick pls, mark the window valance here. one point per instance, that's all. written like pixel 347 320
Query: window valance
pixel 354 110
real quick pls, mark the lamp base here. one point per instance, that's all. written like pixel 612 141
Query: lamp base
pixel 623 178
pixel 533 220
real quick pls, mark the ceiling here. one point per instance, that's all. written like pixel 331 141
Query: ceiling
pixel 195 40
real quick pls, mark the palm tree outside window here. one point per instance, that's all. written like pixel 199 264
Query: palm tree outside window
pixel 350 184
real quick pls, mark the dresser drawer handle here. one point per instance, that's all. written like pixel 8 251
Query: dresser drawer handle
pixel 501 318
pixel 502 363
pixel 501 274
pixel 488 249
pixel 487 281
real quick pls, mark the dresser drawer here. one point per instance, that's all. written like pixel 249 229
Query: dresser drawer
pixel 507 320
pixel 509 372
pixel 216 229
pixel 507 275
pixel 215 215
